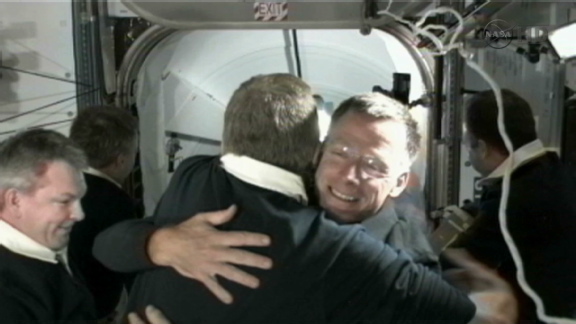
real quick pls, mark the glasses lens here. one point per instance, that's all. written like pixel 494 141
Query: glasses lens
pixel 374 167
pixel 369 165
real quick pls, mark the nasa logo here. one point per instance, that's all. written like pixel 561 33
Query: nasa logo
pixel 498 33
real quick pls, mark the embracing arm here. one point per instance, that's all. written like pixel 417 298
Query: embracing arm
pixel 123 247
pixel 385 285
pixel 193 247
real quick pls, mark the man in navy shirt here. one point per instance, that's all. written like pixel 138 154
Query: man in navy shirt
pixel 540 213
pixel 109 137
pixel 41 184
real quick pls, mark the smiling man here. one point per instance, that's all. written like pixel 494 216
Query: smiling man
pixel 354 178
pixel 41 184
pixel 365 162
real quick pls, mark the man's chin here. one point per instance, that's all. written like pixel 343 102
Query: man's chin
pixel 60 245
pixel 344 216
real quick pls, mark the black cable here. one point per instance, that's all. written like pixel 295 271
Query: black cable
pixel 468 91
pixel 39 126
pixel 438 96
pixel 47 106
pixel 43 75
pixel 297 54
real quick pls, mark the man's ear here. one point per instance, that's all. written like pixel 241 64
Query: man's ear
pixel 120 160
pixel 10 200
pixel 400 185
pixel 2 199
pixel 483 149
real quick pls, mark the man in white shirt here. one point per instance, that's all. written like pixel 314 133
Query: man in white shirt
pixel 41 184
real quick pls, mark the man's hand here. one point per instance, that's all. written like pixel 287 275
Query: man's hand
pixel 153 315
pixel 197 250
pixel 493 296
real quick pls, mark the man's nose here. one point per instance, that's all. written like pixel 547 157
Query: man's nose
pixel 77 213
pixel 351 171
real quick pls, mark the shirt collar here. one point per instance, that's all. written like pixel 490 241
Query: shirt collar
pixel 520 157
pixel 101 174
pixel 265 175
pixel 381 224
pixel 19 243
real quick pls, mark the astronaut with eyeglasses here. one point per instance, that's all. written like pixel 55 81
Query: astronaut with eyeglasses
pixel 364 170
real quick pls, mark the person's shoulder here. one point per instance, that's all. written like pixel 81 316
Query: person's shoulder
pixel 531 182
pixel 352 246
pixel 196 163
pixel 20 275
pixel 21 303
pixel 559 170
pixel 342 235
pixel 104 199
pixel 96 185
pixel 546 165
pixel 199 160
pixel 309 223
pixel 13 309
pixel 12 260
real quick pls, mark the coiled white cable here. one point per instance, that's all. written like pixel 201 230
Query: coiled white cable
pixel 442 49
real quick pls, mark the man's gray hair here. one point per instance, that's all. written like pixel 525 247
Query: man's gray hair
pixel 383 107
pixel 25 156
pixel 273 118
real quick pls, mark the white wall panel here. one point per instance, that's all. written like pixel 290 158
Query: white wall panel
pixel 36 37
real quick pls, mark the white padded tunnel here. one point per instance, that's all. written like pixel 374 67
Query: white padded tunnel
pixel 188 78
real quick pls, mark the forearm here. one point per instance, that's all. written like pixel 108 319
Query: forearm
pixel 371 276
pixel 429 298
pixel 124 247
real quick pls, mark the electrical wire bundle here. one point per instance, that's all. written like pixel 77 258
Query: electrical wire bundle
pixel 441 49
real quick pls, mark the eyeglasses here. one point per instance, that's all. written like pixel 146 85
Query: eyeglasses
pixel 339 153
